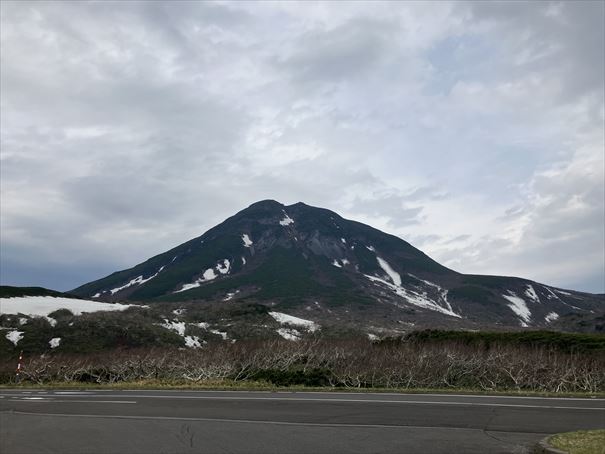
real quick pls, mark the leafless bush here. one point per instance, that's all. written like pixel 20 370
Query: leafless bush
pixel 341 363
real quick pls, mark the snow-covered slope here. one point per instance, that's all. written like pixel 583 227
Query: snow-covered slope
pixel 45 305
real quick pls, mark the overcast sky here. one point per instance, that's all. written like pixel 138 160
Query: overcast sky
pixel 474 131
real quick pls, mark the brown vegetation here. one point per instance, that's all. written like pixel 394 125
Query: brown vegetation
pixel 336 363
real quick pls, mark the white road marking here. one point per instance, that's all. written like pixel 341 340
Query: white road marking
pixel 78 393
pixel 368 401
pixel 322 393
pixel 50 401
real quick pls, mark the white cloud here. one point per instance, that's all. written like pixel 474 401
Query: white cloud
pixel 128 129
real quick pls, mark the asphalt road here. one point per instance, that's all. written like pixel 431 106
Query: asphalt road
pixel 150 422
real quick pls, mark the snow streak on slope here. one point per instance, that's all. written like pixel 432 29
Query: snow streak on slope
pixel 519 307
pixel 531 294
pixel 395 277
pixel 136 281
pixel 208 275
pixel 442 292
pixel 551 317
pixel 291 320
pixel 44 305
pixel 413 297
pixel 287 220
pixel 417 298
pixel 223 334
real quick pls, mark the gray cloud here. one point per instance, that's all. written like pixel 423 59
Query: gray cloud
pixel 472 130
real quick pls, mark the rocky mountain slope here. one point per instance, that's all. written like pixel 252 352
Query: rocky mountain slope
pixel 303 259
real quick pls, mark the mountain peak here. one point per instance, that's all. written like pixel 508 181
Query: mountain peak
pixel 267 203
pixel 305 257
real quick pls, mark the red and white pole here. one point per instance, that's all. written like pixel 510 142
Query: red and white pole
pixel 18 377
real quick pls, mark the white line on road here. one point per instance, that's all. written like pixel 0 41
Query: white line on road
pixel 324 393
pixel 367 401
pixel 51 401
pixel 340 393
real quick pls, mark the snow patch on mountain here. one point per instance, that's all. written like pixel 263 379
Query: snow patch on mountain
pixel 224 268
pixel 531 294
pixel 223 334
pixel 551 295
pixel 15 336
pixel 247 241
pixel 340 263
pixel 289 334
pixel 442 292
pixel 412 297
pixel 179 327
pixel 230 295
pixel 291 320
pixel 518 306
pixel 551 317
pixel 343 241
pixel 208 275
pixel 192 342
pixel 44 305
pixel 139 280
pixel 394 275
pixel 371 248
pixel 54 342
pixel 287 220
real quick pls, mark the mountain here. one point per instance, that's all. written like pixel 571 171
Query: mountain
pixel 8 291
pixel 308 260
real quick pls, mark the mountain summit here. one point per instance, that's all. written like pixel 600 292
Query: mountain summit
pixel 302 258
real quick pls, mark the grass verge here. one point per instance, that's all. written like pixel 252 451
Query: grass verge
pixel 248 385
pixel 580 442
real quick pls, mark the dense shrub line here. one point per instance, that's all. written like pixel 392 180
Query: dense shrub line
pixel 567 342
pixel 335 363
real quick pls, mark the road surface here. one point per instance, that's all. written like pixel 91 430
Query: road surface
pixel 153 422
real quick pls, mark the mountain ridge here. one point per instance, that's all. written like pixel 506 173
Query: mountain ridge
pixel 299 256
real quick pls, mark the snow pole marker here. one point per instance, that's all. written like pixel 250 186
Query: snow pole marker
pixel 18 373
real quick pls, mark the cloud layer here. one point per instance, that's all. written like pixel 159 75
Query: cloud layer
pixel 472 130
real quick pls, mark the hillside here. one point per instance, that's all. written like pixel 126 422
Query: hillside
pixel 303 259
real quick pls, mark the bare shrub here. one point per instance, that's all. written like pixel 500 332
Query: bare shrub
pixel 353 363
